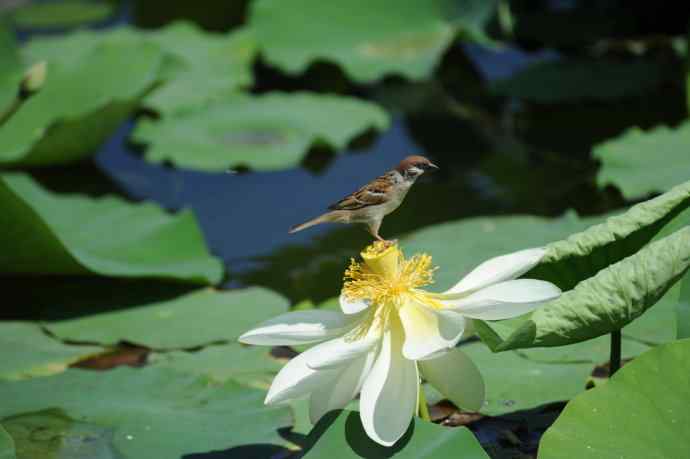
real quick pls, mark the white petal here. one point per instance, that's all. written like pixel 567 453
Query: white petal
pixel 506 299
pixel 499 269
pixel 428 331
pixel 296 379
pixel 299 327
pixel 343 388
pixel 457 378
pixel 352 307
pixel 338 351
pixel 389 394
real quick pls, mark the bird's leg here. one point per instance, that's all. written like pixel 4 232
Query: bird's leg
pixel 374 230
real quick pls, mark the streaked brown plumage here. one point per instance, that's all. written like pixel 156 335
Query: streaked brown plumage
pixel 378 198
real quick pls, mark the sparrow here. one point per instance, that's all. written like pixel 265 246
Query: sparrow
pixel 378 198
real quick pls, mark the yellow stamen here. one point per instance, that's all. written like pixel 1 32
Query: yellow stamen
pixel 386 280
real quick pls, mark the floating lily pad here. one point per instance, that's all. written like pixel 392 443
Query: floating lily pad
pixel 144 412
pixel 6 445
pixel 211 66
pixel 248 365
pixel 572 79
pixel 594 351
pixel 514 382
pixel 458 247
pixel 65 13
pixel 368 39
pixel 80 105
pixel 9 55
pixel 202 66
pixel 9 89
pixel 340 435
pixel 615 420
pixel 195 319
pixel 70 48
pixel 70 234
pixel 525 379
pixel 26 351
pixel 642 162
pixel 271 131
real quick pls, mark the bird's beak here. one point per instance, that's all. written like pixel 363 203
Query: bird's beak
pixel 432 167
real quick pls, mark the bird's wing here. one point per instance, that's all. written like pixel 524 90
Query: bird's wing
pixel 374 193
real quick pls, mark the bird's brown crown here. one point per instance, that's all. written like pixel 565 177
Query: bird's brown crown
pixel 411 161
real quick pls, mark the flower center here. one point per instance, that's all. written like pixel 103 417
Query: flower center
pixel 386 280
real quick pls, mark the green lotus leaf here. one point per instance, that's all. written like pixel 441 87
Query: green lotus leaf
pixel 652 387
pixel 44 233
pixel 642 162
pixel 135 413
pixel 9 54
pixel 594 351
pixel 460 246
pixel 198 318
pixel 529 378
pixel 211 66
pixel 572 79
pixel 603 303
pixel 683 308
pixel 202 66
pixel 26 352
pixel 78 107
pixel 520 380
pixel 6 445
pixel 248 365
pixel 266 132
pixel 367 39
pixel 658 325
pixel 67 13
pixel 70 48
pixel 10 81
pixel 582 255
pixel 340 435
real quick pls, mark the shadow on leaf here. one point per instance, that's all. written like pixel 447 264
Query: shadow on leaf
pixel 357 438
pixel 255 451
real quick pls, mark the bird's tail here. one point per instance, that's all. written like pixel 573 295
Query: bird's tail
pixel 325 218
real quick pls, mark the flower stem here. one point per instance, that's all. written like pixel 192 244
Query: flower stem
pixel 423 407
pixel 7 112
pixel 615 359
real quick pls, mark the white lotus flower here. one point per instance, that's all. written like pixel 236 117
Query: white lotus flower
pixel 390 333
